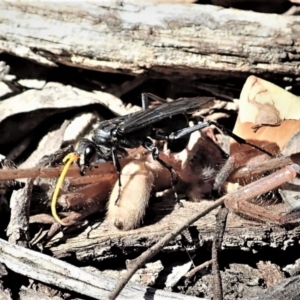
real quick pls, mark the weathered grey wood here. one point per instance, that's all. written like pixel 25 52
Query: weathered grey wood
pixel 135 37
pixel 102 241
pixel 58 273
pixel 18 227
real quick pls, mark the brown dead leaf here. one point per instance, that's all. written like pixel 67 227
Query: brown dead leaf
pixel 264 103
pixel 267 113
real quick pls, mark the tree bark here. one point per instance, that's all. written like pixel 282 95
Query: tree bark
pixel 142 38
pixel 240 233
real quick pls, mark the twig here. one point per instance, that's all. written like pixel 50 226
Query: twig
pixel 216 246
pixel 270 272
pixel 103 169
pixel 198 268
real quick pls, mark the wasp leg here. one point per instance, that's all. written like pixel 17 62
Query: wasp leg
pixel 147 144
pixel 115 160
pixel 185 131
pixel 145 101
pixel 238 139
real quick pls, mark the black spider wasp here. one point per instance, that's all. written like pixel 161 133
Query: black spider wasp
pixel 167 121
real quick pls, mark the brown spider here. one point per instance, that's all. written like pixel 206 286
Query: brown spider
pixel 199 170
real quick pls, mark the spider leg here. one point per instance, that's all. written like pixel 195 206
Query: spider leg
pixel 147 144
pixel 249 163
pixel 240 205
pixel 138 181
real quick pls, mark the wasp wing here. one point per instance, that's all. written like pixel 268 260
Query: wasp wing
pixel 150 116
pixel 114 121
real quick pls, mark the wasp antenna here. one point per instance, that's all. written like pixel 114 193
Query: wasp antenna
pixel 68 160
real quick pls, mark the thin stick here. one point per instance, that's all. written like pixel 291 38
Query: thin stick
pixel 104 169
pixel 74 171
pixel 198 268
pixel 216 247
pixel 38 172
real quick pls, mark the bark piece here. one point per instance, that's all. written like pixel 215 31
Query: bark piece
pixel 53 271
pixel 29 294
pixel 50 143
pixel 5 295
pixel 293 269
pixel 238 281
pixel 177 273
pixel 240 233
pixel 34 106
pixel 145 276
pixel 134 38
pixel 4 69
pixel 18 227
pixel 270 272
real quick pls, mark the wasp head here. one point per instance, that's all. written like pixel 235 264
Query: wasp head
pixel 88 154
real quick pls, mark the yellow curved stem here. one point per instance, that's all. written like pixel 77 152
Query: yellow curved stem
pixel 68 160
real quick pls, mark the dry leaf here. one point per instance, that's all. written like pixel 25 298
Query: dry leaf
pixel 262 102
pixel 267 113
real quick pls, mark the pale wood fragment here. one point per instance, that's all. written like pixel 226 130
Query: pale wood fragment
pixel 58 273
pixel 139 37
